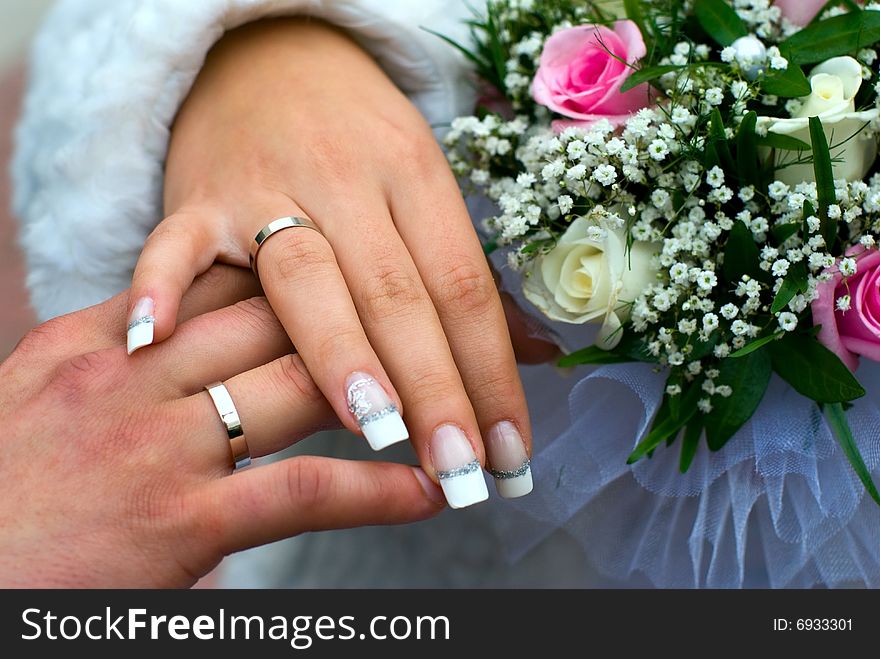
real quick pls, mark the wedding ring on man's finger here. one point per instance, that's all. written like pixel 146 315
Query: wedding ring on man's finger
pixel 271 229
pixel 241 454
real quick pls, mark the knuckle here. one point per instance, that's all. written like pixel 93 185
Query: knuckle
pixel 435 383
pixel 389 290
pixel 337 344
pixel 84 375
pixel 416 151
pixel 256 315
pixel 294 252
pixel 465 288
pixel 45 337
pixel 306 482
pixel 294 381
pixel 494 388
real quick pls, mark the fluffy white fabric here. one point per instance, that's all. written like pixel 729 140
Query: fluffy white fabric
pixel 107 78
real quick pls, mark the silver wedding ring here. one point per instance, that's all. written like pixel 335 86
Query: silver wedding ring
pixel 274 227
pixel 241 454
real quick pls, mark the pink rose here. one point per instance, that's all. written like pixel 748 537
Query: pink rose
pixel 579 78
pixel 855 332
pixel 800 12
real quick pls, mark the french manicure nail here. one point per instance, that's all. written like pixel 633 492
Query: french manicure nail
pixel 457 467
pixel 377 417
pixel 509 461
pixel 140 324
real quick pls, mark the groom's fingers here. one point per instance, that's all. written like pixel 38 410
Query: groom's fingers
pixel 308 493
pixel 277 404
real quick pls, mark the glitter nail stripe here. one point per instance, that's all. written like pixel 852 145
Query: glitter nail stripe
pixel 469 468
pixel 141 321
pixel 501 474
pixel 375 416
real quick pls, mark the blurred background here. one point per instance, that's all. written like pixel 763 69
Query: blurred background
pixel 19 19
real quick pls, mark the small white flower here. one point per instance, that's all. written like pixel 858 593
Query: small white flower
pixel 658 149
pixel 704 405
pixel 605 174
pixel 780 267
pixel 707 280
pixel 681 115
pixel 867 240
pixel 660 198
pixel 844 303
pixel 576 149
pixel 714 96
pixel 687 326
pixel 779 63
pixel 787 321
pixel 728 54
pixel 724 390
pixel 739 327
pixel 813 224
pixel 710 322
pixel 577 172
pixel 715 177
pixel 847 267
pixel 565 204
pixel 673 390
pixel 834 211
pixel 721 351
pixel 729 311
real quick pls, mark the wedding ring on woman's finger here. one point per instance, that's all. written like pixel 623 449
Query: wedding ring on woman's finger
pixel 271 229
pixel 241 455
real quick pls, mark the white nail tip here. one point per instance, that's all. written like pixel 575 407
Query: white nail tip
pixel 465 486
pixel 385 431
pixel 140 333
pixel 518 486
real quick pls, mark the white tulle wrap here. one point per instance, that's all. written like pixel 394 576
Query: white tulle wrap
pixel 778 506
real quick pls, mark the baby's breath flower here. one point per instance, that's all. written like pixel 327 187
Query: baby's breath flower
pixel 787 321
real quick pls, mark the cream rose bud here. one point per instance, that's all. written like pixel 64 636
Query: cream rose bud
pixel 835 84
pixel 587 280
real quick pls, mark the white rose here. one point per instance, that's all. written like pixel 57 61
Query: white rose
pixel 582 280
pixel 835 84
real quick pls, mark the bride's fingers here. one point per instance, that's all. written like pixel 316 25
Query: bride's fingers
pixel 402 324
pixel 277 403
pixel 305 287
pixel 302 494
pixel 181 247
pixel 458 279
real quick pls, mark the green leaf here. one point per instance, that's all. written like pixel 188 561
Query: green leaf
pixel 647 74
pixel 741 255
pixel 749 348
pixel 747 149
pixel 795 282
pixel 748 377
pixel 839 424
pixel 782 232
pixel 786 142
pixel 720 21
pixel 690 443
pixel 593 355
pixel 832 37
pixel 791 83
pixel 824 180
pixel 718 140
pixel 668 426
pixel 813 370
pixel 490 246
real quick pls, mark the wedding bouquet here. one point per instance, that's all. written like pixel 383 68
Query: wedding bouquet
pixel 698 178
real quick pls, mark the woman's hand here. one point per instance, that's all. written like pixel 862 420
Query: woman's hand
pixel 391 305
pixel 116 471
